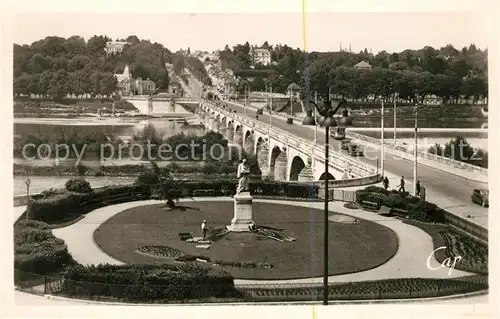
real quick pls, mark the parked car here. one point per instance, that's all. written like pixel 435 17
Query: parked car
pixel 345 144
pixel 355 150
pixel 481 197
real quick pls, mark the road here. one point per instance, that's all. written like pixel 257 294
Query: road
pixel 448 191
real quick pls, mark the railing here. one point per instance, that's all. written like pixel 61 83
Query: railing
pixel 422 154
pixel 338 195
pixel 316 151
pixel 467 226
pixel 404 288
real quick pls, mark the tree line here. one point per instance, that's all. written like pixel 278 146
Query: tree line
pixel 54 67
pixel 448 73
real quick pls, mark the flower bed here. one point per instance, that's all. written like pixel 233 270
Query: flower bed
pixel 177 255
pixel 381 289
pixel 237 264
pixel 473 252
pixel 161 251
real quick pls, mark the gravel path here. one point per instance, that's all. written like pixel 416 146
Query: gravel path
pixel 415 246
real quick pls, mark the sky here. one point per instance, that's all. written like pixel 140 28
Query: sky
pixel 324 31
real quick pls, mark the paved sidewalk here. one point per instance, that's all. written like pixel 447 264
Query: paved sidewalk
pixel 415 246
pixel 464 208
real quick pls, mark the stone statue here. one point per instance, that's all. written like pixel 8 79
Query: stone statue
pixel 243 173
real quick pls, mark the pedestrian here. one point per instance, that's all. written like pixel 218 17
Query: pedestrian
pixel 418 188
pixel 386 183
pixel 402 185
pixel 204 229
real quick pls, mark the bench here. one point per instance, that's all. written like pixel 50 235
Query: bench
pixel 399 212
pixel 384 210
pixel 185 236
pixel 371 206
pixel 204 192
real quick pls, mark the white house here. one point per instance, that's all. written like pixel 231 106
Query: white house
pixel 113 47
pixel 261 56
pixel 363 65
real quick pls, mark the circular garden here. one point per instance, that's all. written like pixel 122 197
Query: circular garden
pixel 151 235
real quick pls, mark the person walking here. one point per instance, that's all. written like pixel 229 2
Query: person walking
pixel 402 185
pixel 386 183
pixel 418 189
pixel 204 229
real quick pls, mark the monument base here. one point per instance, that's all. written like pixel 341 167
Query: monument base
pixel 242 213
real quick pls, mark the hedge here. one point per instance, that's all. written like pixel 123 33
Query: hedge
pixel 37 250
pixel 57 206
pixel 417 208
pixel 149 282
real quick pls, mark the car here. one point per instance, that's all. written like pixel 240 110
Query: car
pixel 355 150
pixel 344 144
pixel 481 197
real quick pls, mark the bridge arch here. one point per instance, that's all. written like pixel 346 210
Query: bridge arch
pixel 278 164
pixel 248 142
pixel 322 177
pixel 296 166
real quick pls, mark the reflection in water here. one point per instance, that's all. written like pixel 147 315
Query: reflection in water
pixel 164 127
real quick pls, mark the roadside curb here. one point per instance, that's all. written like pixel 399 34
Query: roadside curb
pixel 331 302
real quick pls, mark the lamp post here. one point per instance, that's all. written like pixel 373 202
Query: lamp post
pixel 415 153
pixel 394 119
pixel 28 183
pixel 327 111
pixel 315 118
pixel 382 140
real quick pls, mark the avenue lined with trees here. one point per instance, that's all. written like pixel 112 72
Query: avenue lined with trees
pixel 412 74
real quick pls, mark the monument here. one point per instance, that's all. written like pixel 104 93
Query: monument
pixel 242 201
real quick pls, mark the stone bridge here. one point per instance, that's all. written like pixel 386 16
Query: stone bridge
pixel 157 104
pixel 280 155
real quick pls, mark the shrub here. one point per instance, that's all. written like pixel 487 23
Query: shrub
pixel 149 282
pixel 54 208
pixel 417 208
pixel 36 250
pixel 78 185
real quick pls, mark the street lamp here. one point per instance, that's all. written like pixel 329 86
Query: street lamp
pixel 28 183
pixel 415 152
pixel 327 111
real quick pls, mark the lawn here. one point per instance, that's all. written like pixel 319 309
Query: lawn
pixel 353 247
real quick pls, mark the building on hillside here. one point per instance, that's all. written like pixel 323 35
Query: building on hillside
pixel 175 88
pixel 363 65
pixel 129 86
pixel 114 47
pixel 169 67
pixel 143 87
pixel 260 56
pixel 124 82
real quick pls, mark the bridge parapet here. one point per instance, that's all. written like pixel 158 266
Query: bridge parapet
pixel 454 166
pixel 355 167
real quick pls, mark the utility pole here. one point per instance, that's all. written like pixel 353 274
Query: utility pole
pixel 415 113
pixel 382 140
pixel 395 120
pixel 315 118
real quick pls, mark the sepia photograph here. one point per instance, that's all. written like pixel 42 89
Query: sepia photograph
pixel 245 159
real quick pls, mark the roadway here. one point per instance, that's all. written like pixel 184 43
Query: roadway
pixel 448 191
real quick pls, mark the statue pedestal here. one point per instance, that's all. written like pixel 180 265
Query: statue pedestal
pixel 242 213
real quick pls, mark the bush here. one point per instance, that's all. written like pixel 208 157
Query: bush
pixel 149 282
pixel 417 208
pixel 54 208
pixel 37 250
pixel 78 185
